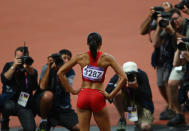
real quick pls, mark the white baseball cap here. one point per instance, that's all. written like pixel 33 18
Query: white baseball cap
pixel 130 67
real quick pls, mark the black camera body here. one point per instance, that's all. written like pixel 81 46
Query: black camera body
pixel 158 10
pixel 26 60
pixel 57 59
pixel 183 46
pixel 165 19
pixel 130 76
pixel 181 4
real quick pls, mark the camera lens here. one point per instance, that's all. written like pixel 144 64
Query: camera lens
pixel 163 23
pixel 131 77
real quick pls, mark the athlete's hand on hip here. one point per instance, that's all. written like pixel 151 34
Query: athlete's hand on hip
pixel 107 96
pixel 76 91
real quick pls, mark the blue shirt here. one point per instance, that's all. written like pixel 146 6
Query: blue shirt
pixel 61 97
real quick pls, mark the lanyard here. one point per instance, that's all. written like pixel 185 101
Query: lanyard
pixel 26 79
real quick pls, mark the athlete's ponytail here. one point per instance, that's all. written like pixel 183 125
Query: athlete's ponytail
pixel 94 40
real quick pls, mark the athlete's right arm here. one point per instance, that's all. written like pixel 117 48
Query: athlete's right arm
pixel 62 74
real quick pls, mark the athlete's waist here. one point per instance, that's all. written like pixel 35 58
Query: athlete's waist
pixel 92 85
pixel 92 90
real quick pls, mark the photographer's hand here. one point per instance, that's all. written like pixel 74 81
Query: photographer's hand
pixel 159 18
pixel 184 53
pixel 185 10
pixel 8 75
pixel 152 11
pixel 17 62
pixel 179 40
pixel 169 29
pixel 50 62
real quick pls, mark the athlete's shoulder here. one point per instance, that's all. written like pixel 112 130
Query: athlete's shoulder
pixel 107 56
pixel 81 56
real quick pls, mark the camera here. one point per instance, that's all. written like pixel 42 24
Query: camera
pixel 158 10
pixel 25 60
pixel 130 76
pixel 181 4
pixel 184 46
pixel 57 59
pixel 165 19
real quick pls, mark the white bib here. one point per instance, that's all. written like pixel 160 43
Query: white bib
pixel 93 73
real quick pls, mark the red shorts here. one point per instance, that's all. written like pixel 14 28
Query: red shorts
pixel 91 99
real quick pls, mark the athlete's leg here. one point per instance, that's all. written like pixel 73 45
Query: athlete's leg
pixel 102 119
pixel 84 117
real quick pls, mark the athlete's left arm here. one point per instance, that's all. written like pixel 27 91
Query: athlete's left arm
pixel 122 77
pixel 62 75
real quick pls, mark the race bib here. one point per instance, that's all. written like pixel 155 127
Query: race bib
pixel 23 99
pixel 132 113
pixel 93 73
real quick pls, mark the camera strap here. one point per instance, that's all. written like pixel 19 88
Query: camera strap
pixel 24 96
pixel 26 79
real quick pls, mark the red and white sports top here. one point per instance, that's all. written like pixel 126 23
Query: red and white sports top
pixel 92 72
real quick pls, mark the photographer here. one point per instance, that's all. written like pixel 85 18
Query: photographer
pixel 53 102
pixel 183 6
pixel 149 23
pixel 180 27
pixel 136 95
pixel 164 47
pixel 164 42
pixel 20 77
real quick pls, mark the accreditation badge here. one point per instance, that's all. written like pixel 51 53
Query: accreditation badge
pixel 23 99
pixel 178 68
pixel 132 113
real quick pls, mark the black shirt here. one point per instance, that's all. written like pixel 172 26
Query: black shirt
pixel 17 84
pixel 142 94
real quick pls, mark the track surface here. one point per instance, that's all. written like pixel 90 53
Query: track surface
pixel 48 26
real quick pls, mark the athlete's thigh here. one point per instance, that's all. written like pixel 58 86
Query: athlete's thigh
pixel 102 119
pixel 84 117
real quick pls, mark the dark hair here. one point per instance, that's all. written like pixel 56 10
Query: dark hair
pixel 171 6
pixel 23 49
pixel 94 40
pixel 175 10
pixel 66 52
